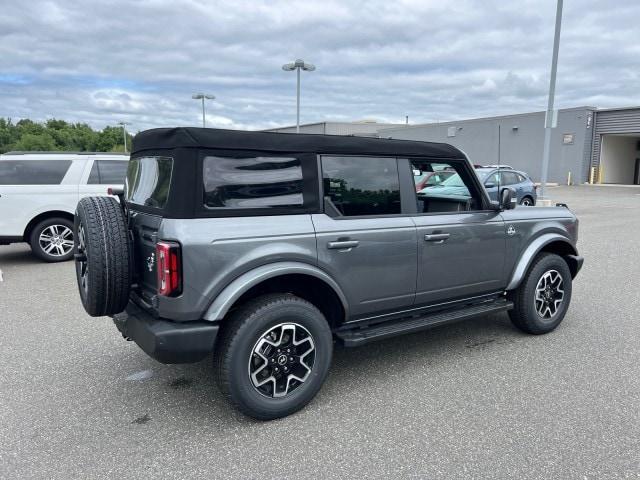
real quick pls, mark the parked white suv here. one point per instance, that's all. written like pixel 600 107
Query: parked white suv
pixel 39 192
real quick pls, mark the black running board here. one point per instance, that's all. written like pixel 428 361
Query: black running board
pixel 357 337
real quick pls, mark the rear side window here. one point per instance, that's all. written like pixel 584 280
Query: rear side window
pixel 33 172
pixel 108 172
pixel 148 180
pixel 252 182
pixel 510 178
pixel 361 185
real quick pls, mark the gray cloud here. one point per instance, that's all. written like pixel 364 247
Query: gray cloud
pixel 102 62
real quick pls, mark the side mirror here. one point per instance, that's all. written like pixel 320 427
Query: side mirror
pixel 507 200
pixel 489 185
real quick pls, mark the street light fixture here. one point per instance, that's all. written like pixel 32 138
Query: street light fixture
pixel 298 65
pixel 124 133
pixel 202 96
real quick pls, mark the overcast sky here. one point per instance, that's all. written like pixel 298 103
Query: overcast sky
pixel 140 61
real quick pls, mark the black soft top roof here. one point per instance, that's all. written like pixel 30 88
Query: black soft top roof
pixel 191 137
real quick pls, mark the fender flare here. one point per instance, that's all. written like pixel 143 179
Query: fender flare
pixel 529 254
pixel 232 292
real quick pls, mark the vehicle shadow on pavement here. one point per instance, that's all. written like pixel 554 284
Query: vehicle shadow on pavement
pixel 12 256
pixel 380 361
pixel 381 358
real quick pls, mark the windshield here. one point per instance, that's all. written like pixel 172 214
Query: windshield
pixel 483 174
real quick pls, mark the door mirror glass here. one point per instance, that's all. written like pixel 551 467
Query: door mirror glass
pixel 490 185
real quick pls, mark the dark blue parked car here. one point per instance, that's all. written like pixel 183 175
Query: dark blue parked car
pixel 519 182
pixel 493 179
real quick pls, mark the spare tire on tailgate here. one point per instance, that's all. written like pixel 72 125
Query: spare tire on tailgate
pixel 102 256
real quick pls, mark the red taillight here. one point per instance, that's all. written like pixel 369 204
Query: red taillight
pixel 169 269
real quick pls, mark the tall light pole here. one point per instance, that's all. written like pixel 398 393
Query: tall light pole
pixel 124 133
pixel 549 120
pixel 298 65
pixel 202 96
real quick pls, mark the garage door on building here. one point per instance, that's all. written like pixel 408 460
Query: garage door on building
pixel 616 146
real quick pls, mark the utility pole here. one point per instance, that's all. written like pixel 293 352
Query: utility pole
pixel 549 118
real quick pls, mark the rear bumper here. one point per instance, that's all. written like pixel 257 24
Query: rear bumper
pixel 166 341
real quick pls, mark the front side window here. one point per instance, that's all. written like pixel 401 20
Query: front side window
pixel 33 172
pixel 493 179
pixel 454 193
pixel 148 180
pixel 252 182
pixel 361 185
pixel 108 172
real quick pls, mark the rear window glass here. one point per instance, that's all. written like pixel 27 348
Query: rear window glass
pixel 252 182
pixel 148 180
pixel 33 172
pixel 108 172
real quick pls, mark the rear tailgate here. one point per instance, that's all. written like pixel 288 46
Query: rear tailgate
pixel 146 193
pixel 144 228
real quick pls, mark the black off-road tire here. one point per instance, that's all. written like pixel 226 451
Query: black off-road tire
pixel 102 257
pixel 45 229
pixel 524 315
pixel 238 338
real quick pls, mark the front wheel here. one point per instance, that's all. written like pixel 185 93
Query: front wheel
pixel 273 356
pixel 542 299
pixel 52 240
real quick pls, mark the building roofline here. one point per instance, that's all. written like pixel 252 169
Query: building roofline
pixel 331 122
pixel 619 108
pixel 495 117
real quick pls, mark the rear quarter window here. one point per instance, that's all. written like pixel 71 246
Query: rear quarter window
pixel 148 181
pixel 33 172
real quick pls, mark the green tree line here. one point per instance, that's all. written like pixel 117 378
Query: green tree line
pixel 58 135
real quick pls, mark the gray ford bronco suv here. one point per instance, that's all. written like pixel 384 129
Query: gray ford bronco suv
pixel 265 248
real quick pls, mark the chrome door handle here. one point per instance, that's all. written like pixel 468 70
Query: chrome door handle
pixel 342 245
pixel 436 237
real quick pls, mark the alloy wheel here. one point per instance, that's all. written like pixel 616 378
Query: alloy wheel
pixel 281 360
pixel 549 294
pixel 56 240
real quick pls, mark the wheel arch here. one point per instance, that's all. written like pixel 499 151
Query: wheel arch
pixel 304 280
pixel 44 216
pixel 550 242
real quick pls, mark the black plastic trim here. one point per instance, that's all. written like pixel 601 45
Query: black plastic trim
pixel 357 337
pixel 164 340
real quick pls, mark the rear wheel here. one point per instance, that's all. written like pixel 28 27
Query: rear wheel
pixel 542 299
pixel 52 240
pixel 527 202
pixel 102 256
pixel 273 356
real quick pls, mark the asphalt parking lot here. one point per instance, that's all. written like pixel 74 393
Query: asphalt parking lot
pixel 473 400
